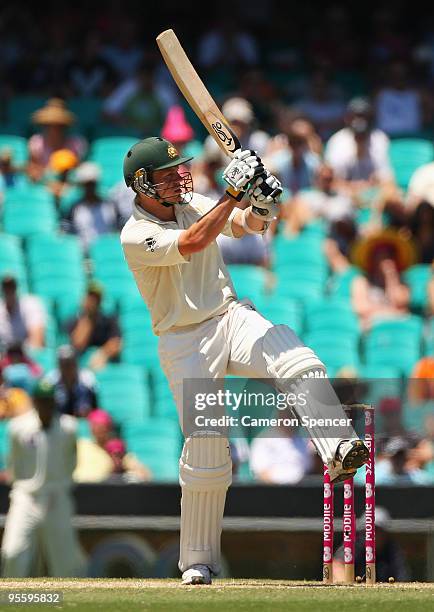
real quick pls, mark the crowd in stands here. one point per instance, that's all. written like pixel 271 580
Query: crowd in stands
pixel 348 127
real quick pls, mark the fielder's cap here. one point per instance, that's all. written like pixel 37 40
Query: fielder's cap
pixel 382 519
pixel 53 113
pixel 359 106
pixel 43 389
pixel 238 109
pixel 66 352
pixel 88 172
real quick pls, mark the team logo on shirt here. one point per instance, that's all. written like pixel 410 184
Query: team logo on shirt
pixel 171 151
pixel 150 242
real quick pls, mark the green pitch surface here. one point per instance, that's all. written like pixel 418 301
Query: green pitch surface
pixel 125 595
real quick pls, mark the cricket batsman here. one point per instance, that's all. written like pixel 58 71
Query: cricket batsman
pixel 205 332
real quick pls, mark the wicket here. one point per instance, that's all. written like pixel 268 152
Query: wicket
pixel 348 515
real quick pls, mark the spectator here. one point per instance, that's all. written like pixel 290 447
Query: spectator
pixel 54 118
pixel 421 186
pixel 89 74
pixel 93 329
pixel 136 104
pixel 92 215
pixel 401 107
pixel 394 468
pixel 359 153
pixel 322 106
pixel 420 387
pixel 295 164
pixel 213 46
pixel 123 51
pixel 421 225
pixel 58 172
pixel 93 462
pixel 277 456
pixel 10 174
pixel 177 130
pixel 323 201
pixel 22 318
pixel 13 400
pixel 75 388
pixel 239 113
pixel 126 466
pixel 390 560
pixel 39 520
pixel 15 354
pixel 381 293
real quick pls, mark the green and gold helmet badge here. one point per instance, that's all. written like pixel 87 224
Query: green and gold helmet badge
pixel 172 152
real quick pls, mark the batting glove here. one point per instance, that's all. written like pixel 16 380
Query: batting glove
pixel 263 194
pixel 244 166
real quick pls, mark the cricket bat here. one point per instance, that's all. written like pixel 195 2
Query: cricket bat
pixel 195 92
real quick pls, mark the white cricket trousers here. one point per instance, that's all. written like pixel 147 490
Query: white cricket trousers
pixel 38 530
pixel 240 342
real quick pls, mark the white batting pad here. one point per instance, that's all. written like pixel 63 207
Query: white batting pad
pixel 205 473
pixel 302 364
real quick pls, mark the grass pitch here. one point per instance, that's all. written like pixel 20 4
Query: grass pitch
pixel 111 595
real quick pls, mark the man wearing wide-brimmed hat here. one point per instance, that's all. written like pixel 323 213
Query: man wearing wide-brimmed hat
pixel 381 293
pixel 55 119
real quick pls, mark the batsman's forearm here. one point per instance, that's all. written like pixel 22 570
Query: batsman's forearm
pixel 207 228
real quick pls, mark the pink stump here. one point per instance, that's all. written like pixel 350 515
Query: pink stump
pixel 370 497
pixel 349 530
pixel 328 527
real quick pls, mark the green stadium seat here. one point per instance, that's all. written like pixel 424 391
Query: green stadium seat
pixel 285 311
pixel 109 153
pixel 249 281
pixel 339 285
pixel 331 314
pixel 407 154
pixel 123 373
pixel 429 338
pixel 28 212
pixel 417 278
pixel 110 268
pixel 290 254
pixel 394 342
pixel 124 399
pixel 303 283
pixel 335 349
pixel 56 267
pixel 45 357
pixel 162 402
pixel 83 429
pixel 157 444
pixel 12 260
pixel 18 146
pixel 4 444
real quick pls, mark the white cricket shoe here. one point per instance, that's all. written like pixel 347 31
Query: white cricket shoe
pixel 350 455
pixel 197 574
